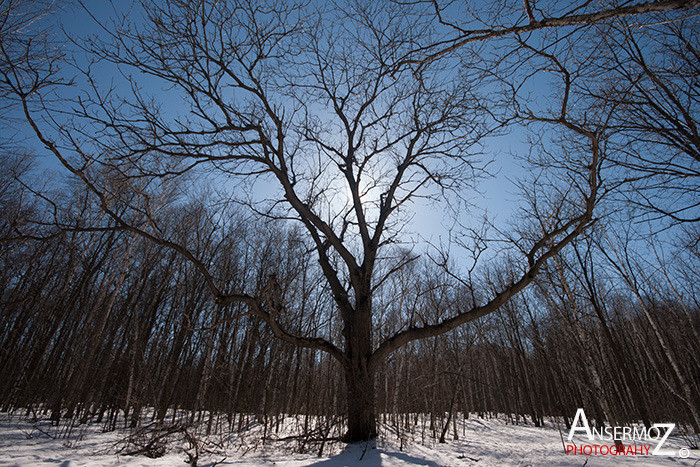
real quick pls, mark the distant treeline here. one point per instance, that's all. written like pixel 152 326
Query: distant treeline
pixel 99 325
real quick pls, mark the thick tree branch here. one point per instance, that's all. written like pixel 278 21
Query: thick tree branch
pixel 478 35
pixel 220 297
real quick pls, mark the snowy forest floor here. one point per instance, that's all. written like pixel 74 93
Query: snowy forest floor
pixel 482 442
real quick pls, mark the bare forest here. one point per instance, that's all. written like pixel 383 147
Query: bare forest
pixel 225 213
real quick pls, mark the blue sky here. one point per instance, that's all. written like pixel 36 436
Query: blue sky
pixel 430 220
pixel 496 196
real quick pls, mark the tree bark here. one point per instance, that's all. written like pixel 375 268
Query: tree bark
pixel 359 376
pixel 362 423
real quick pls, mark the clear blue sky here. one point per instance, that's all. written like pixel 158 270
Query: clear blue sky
pixel 498 195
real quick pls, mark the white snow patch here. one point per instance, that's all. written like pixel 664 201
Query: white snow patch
pixel 490 442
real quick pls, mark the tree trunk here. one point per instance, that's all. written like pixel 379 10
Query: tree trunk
pixel 362 423
pixel 359 377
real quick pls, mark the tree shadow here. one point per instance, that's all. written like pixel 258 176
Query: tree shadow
pixel 367 454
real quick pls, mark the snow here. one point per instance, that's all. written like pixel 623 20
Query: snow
pixel 490 442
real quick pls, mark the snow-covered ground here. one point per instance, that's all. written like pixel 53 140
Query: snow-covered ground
pixel 481 442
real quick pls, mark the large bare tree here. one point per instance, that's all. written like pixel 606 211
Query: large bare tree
pixel 330 117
